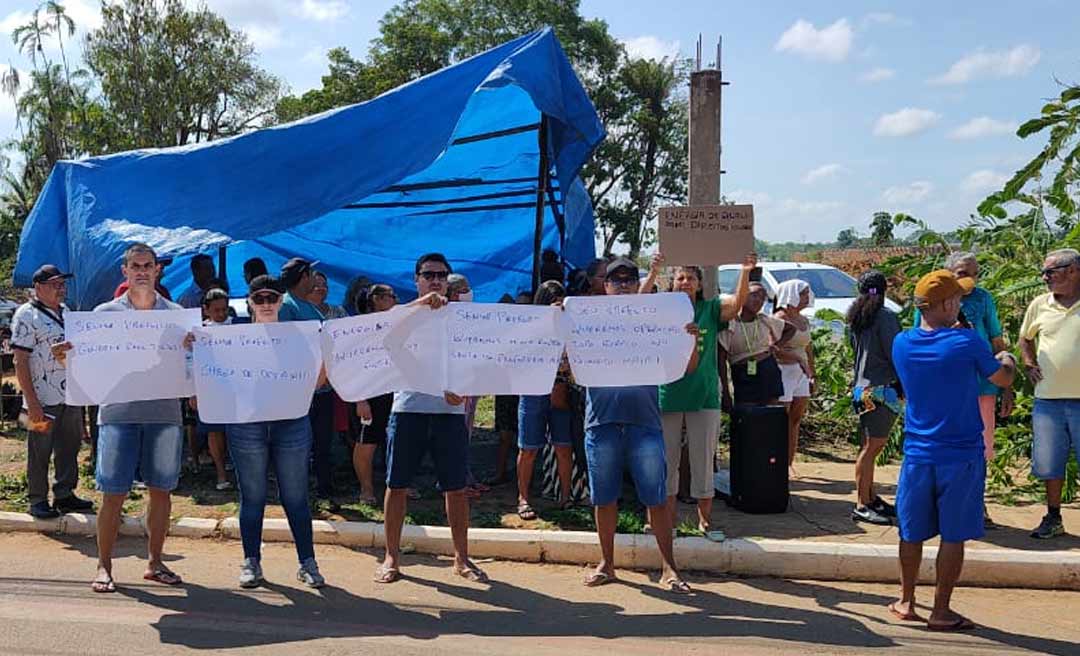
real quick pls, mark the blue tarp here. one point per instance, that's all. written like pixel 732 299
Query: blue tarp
pixel 446 163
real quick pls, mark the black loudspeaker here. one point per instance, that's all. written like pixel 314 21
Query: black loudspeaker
pixel 759 457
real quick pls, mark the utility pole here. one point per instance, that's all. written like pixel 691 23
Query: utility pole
pixel 705 95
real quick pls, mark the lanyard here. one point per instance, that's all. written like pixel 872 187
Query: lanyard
pixel 746 336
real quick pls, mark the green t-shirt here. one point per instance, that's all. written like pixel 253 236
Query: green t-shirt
pixel 699 390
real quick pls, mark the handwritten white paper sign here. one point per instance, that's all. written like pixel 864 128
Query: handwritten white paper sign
pixel 256 372
pixel 357 363
pixel 633 339
pixel 497 348
pixel 473 349
pixel 135 355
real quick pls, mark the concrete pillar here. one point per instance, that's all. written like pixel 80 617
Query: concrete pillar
pixel 705 93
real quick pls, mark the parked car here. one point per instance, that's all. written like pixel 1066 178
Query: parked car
pixel 833 289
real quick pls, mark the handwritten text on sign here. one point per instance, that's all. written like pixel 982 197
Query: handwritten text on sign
pixel 256 372
pixel 483 348
pixel 711 234
pixel 615 341
pixel 358 364
pixel 135 355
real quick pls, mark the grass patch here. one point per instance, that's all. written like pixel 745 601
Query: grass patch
pixel 630 522
pixel 486 520
pixel 688 528
pixel 485 412
pixel 13 490
pixel 361 512
pixel 422 517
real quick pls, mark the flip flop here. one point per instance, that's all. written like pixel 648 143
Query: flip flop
pixel 105 585
pixel 164 576
pixel 907 617
pixel 715 535
pixel 526 512
pixel 371 501
pixel 472 573
pixel 959 624
pixel 384 574
pixel 676 585
pixel 597 579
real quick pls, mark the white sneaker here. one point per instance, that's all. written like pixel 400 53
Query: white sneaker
pixel 251 574
pixel 309 575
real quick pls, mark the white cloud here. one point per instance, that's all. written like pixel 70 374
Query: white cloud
pixel 263 37
pixel 983 126
pixel 982 64
pixel 832 43
pixel 315 55
pixel 13 20
pixel 822 172
pixel 322 10
pixel 984 180
pixel 85 13
pixel 765 205
pixel 906 122
pixel 908 194
pixel 650 47
pixel 879 74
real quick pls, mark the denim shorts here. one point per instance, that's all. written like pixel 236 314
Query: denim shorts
pixel 539 423
pixel 1056 427
pixel 410 435
pixel 611 449
pixel 153 449
pixel 945 500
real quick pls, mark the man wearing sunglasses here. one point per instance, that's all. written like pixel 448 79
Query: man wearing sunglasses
pixel 1050 348
pixel 421 424
pixel 55 427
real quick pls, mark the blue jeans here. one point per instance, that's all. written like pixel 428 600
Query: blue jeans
pixel 411 434
pixel 152 449
pixel 1056 427
pixel 538 423
pixel 252 447
pixel 611 449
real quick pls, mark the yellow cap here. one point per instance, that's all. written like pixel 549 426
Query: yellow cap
pixel 941 285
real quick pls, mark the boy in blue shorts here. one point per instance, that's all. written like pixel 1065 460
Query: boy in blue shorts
pixel 943 476
pixel 623 431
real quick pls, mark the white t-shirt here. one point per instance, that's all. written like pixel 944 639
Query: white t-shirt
pixel 34 329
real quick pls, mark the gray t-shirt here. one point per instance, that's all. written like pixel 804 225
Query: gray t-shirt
pixel 425 404
pixel 873 351
pixel 159 411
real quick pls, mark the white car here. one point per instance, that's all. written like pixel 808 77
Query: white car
pixel 833 289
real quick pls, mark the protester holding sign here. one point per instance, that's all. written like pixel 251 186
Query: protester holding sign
pixel 287 443
pixel 215 313
pixel 143 435
pixel 693 402
pixel 623 430
pixel 423 423
pixel 55 428
pixel 749 344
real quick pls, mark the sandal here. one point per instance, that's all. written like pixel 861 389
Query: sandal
pixel 526 512
pixel 909 616
pixel 163 575
pixel 959 624
pixel 597 579
pixel 471 573
pixel 103 585
pixel 675 584
pixel 715 535
pixel 384 574
pixel 370 501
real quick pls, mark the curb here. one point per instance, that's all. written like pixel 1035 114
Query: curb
pixel 824 561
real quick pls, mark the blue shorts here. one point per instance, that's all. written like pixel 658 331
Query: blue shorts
pixel 610 449
pixel 154 449
pixel 945 500
pixel 1056 427
pixel 539 423
pixel 410 435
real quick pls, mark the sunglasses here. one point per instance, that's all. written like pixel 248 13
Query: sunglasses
pixel 1049 272
pixel 265 299
pixel 434 275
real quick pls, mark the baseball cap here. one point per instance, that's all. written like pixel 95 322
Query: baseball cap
pixel 264 283
pixel 941 285
pixel 620 263
pixel 48 272
pixel 294 268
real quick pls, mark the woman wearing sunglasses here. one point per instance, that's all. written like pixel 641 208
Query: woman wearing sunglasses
pixel 286 443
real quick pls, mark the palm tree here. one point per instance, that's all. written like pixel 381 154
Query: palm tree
pixel 61 23
pixel 30 38
pixel 882 227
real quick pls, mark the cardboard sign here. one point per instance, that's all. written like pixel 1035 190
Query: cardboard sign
pixel 256 372
pixel 706 235
pixel 136 355
pixel 629 339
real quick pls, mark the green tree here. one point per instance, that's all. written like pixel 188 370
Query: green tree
pixel 847 238
pixel 881 227
pixel 171 76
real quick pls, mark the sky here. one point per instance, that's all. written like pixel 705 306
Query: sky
pixel 835 110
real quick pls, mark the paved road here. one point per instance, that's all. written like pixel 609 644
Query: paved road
pixel 46 607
